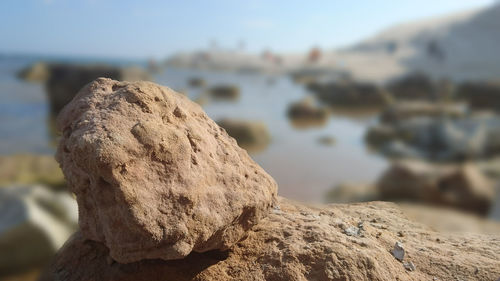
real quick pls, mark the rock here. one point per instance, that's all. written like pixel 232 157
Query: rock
pixel 352 192
pixel 66 80
pixel 480 95
pixel 250 135
pixel 380 134
pixel 440 139
pixel 37 72
pixel 31 169
pixel 446 219
pixel 34 224
pixel 197 82
pixel 349 93
pixel 305 113
pixel 461 186
pixel 399 149
pixel 154 176
pixel 413 86
pixel 224 92
pixel 411 109
pixel 398 252
pixel 311 75
pixel 305 243
pixel 409 266
pixel 327 140
pixel 352 231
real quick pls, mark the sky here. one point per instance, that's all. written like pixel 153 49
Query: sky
pixel 157 29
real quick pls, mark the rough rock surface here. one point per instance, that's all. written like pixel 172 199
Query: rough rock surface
pixel 154 176
pixel 307 243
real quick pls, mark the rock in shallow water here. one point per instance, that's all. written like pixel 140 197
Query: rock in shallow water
pixel 306 243
pixel 154 176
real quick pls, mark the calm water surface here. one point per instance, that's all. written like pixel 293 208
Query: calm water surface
pixel 303 168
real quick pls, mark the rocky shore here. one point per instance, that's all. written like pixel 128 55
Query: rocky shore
pixel 164 193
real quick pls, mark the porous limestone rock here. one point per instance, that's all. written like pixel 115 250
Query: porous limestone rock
pixel 299 243
pixel 154 176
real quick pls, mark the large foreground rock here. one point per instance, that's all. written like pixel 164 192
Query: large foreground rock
pixel 154 176
pixel 337 242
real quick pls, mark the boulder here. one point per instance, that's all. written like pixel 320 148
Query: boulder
pixel 197 82
pixel 297 242
pixel 462 186
pixel 34 224
pixel 37 72
pixel 440 139
pixel 480 95
pixel 253 136
pixel 411 109
pixel 31 169
pixel 224 92
pixel 327 140
pixel 305 113
pixel 413 86
pixel 155 178
pixel 381 134
pixel 350 93
pixel 66 80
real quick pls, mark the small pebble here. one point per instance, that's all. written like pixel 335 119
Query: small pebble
pixel 352 231
pixel 409 266
pixel 398 252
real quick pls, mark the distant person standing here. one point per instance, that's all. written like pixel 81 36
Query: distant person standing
pixel 314 55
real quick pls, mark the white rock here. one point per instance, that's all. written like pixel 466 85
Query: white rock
pixel 31 230
pixel 398 252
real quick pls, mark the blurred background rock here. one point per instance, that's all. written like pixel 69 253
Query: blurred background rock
pixel 336 109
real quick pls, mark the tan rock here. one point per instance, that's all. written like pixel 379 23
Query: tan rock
pixel 307 243
pixel 225 92
pixel 305 114
pixel 250 135
pixel 154 176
